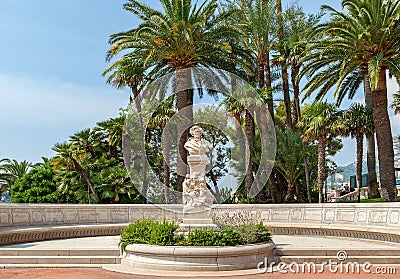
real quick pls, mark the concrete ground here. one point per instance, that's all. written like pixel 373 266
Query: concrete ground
pixel 109 242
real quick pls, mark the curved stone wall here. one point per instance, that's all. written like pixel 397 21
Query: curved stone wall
pixel 189 258
pixel 379 221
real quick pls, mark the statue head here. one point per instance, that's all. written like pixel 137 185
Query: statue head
pixel 196 131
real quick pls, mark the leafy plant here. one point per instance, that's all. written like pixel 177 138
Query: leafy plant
pixel 38 186
pixel 253 233
pixel 210 237
pixel 163 233
pixel 149 232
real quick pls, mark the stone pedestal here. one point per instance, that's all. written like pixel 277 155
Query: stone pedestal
pixel 197 164
pixel 197 199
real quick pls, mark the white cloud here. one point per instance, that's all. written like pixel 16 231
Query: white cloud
pixel 36 112
pixel 49 102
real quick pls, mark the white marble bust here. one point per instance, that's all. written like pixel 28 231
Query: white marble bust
pixel 196 145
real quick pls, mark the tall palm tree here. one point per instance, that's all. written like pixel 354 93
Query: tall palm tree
pixel 282 60
pixel 180 36
pixel 396 103
pixel 363 37
pixel 126 72
pixel 258 21
pixel 236 109
pixel 359 122
pixel 300 26
pixel 320 122
pixel 160 118
pixel 371 146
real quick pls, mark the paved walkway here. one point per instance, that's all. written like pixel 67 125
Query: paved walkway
pixel 281 241
pixel 110 242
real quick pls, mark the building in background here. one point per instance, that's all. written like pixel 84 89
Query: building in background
pixel 396 148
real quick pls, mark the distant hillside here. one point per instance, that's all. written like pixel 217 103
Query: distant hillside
pixel 350 170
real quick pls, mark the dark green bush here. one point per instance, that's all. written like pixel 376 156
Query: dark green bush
pixel 163 233
pixel 149 232
pixel 39 186
pixel 209 237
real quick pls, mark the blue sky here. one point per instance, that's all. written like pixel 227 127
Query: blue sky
pixel 53 54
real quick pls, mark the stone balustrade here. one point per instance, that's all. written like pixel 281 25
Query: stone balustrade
pixel 374 220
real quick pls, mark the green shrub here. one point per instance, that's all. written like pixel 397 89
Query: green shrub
pixel 210 237
pixel 253 233
pixel 39 186
pixel 163 233
pixel 149 232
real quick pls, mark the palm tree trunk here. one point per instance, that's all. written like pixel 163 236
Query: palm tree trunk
pixel 322 143
pixel 290 192
pixel 307 173
pixel 216 193
pixel 359 160
pixel 284 72
pixel 286 97
pixel 299 193
pixel 165 143
pixel 126 149
pixel 294 70
pixel 249 150
pixel 261 76
pixel 268 85
pixel 184 99
pixel 240 135
pixel 82 172
pixel 384 139
pixel 371 158
pixel 138 101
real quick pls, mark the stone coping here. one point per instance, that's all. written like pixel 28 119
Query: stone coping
pixel 200 251
pixel 32 234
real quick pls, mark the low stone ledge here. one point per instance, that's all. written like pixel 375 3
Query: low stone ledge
pixel 372 232
pixel 189 258
pixel 22 235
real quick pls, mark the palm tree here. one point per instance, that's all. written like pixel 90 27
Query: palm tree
pixel 320 122
pixel 5 178
pixel 67 155
pixel 85 140
pixel 160 118
pixel 364 37
pixel 111 130
pixel 282 60
pixel 258 20
pixel 181 36
pixel 11 170
pixel 236 109
pixel 289 160
pixel 396 103
pixel 130 73
pixel 358 122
